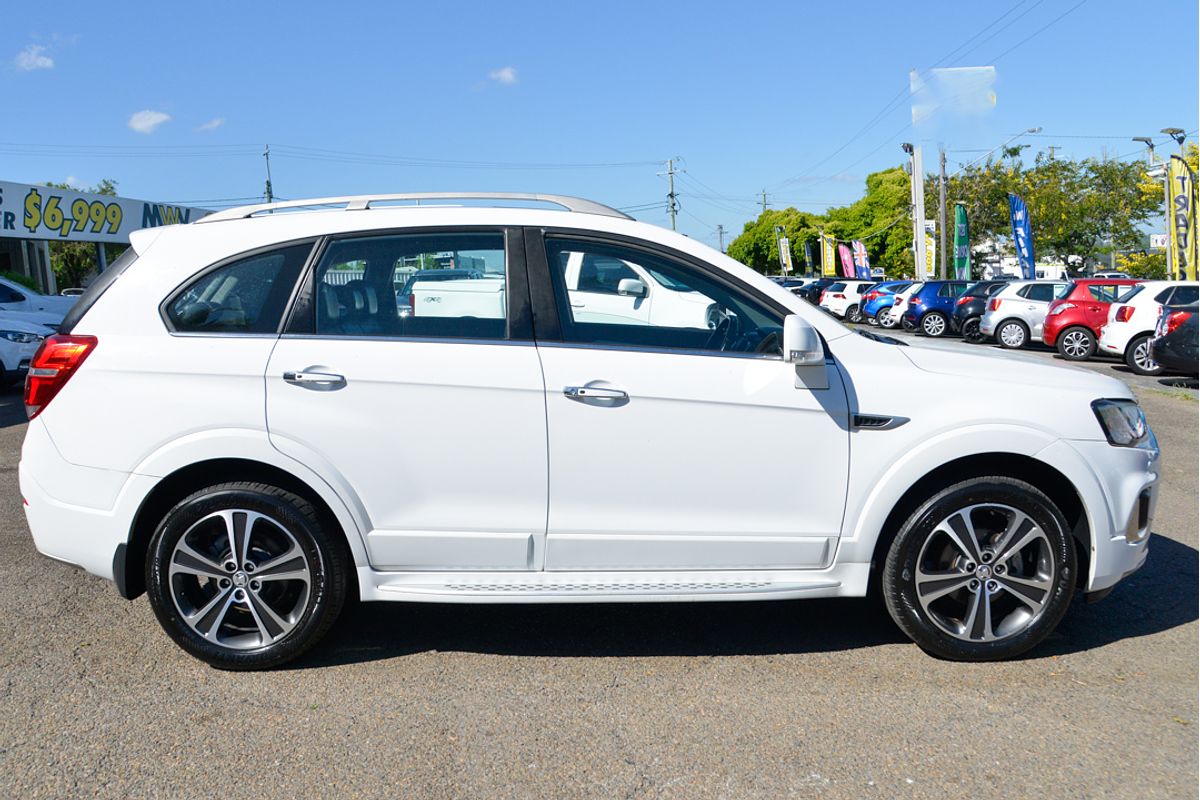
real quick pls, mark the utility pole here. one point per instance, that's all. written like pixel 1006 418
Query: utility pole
pixel 942 212
pixel 721 238
pixel 764 201
pixel 267 158
pixel 672 202
pixel 918 209
pixel 1052 148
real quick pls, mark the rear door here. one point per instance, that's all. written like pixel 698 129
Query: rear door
pixel 683 446
pixel 1096 303
pixel 433 419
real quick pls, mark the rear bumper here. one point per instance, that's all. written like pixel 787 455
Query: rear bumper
pixel 76 514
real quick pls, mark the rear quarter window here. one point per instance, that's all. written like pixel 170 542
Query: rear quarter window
pixel 248 295
pixel 97 288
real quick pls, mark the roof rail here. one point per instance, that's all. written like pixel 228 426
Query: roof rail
pixel 363 201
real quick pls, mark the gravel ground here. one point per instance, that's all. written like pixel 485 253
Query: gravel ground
pixel 788 699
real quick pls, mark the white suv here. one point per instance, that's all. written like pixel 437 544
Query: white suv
pixel 844 299
pixel 258 463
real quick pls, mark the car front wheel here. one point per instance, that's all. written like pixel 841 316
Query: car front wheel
pixel 1139 359
pixel 245 575
pixel 853 314
pixel 1076 344
pixel 982 571
pixel 884 317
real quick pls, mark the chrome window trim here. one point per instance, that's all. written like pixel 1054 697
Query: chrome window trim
pixel 661 350
pixel 409 339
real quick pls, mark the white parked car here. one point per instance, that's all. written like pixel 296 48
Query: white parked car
pixel 896 314
pixel 559 457
pixel 1016 315
pixel 19 340
pixel 51 308
pixel 1132 318
pixel 844 299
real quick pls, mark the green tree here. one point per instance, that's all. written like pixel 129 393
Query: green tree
pixel 1150 266
pixel 72 262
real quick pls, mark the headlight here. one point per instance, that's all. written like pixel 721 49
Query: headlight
pixel 1123 422
pixel 1060 309
pixel 20 337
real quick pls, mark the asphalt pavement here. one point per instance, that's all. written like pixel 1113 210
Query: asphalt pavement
pixel 818 699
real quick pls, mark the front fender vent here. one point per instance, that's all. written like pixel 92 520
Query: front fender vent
pixel 877 422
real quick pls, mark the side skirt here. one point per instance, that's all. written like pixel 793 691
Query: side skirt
pixel 840 580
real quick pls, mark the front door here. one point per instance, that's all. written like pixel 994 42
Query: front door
pixel 431 414
pixel 684 446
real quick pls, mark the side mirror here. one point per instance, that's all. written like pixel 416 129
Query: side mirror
pixel 801 344
pixel 631 287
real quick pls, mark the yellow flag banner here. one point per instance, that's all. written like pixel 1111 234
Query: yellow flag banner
pixel 828 257
pixel 1182 234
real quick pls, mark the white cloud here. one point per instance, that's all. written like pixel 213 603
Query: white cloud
pixel 33 57
pixel 212 124
pixel 506 76
pixel 146 121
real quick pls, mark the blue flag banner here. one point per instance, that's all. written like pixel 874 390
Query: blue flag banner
pixel 862 261
pixel 1022 236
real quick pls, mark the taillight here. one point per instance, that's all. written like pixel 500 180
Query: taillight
pixel 52 366
pixel 1124 313
pixel 821 299
pixel 1176 319
pixel 995 304
pixel 871 296
pixel 963 299
pixel 839 296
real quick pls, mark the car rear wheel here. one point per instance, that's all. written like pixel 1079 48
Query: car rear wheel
pixel 245 575
pixel 971 333
pixel 982 571
pixel 1139 359
pixel 853 314
pixel 1076 344
pixel 1012 334
pixel 934 324
pixel 884 317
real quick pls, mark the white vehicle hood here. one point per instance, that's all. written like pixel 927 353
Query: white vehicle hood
pixel 1011 368
pixel 53 304
pixel 41 322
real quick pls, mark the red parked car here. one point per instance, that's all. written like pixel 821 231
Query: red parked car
pixel 1074 318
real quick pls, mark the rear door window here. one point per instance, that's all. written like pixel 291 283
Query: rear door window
pixel 1104 292
pixel 1185 295
pixel 244 296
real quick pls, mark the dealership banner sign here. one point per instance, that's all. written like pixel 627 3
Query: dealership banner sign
pixel 1182 215
pixel 40 212
pixel 1022 236
pixel 828 259
pixel 962 243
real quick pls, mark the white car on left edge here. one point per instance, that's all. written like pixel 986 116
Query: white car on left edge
pixel 1132 318
pixel 33 306
pixel 19 340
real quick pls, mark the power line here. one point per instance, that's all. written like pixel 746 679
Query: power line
pixel 1039 30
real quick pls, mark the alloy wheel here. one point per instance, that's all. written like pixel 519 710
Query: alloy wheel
pixel 933 325
pixel 1143 360
pixel 239 579
pixel 1076 344
pixel 971 331
pixel 985 573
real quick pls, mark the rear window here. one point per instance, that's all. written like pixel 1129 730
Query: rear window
pixel 837 287
pixel 1185 295
pixel 1132 293
pixel 245 296
pixel 97 287
pixel 1065 291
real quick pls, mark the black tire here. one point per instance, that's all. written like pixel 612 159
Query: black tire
pixel 1140 362
pixel 1076 343
pixel 1056 549
pixel 315 605
pixel 935 324
pixel 853 314
pixel 971 333
pixel 1012 334
pixel 906 325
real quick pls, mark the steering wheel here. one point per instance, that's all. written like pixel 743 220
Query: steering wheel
pixel 720 335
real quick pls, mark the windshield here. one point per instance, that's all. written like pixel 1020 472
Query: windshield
pixel 674 285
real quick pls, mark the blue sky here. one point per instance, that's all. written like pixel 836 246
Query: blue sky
pixel 176 101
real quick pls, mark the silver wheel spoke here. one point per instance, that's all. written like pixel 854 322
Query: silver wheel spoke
pixel 262 609
pixel 217 599
pixel 1032 535
pixel 1018 525
pixel 932 585
pixel 961 531
pixel 189 561
pixel 211 630
pixel 264 633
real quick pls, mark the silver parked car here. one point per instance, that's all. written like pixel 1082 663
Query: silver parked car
pixel 1015 316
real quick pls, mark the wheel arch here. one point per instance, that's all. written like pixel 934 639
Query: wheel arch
pixel 129 564
pixel 1043 476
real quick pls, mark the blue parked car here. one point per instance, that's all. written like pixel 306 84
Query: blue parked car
pixel 875 303
pixel 930 309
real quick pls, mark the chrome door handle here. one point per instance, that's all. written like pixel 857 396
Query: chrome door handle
pixel 594 393
pixel 304 378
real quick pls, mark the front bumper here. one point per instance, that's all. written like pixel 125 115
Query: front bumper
pixel 1119 489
